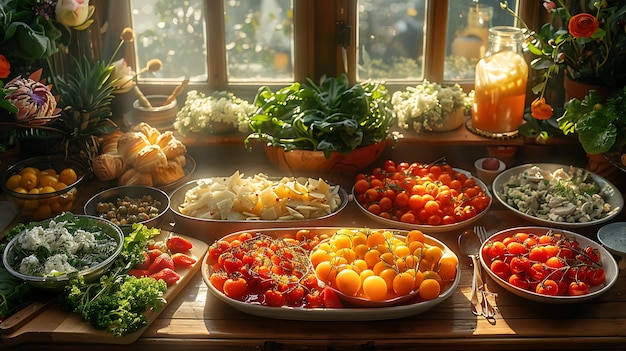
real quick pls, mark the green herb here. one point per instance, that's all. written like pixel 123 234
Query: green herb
pixel 118 301
pixel 333 117
pixel 600 127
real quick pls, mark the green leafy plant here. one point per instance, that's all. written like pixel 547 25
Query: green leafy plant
pixel 601 127
pixel 335 116
pixel 85 99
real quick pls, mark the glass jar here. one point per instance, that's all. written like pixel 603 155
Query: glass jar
pixel 500 84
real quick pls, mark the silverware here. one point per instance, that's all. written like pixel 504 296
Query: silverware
pixel 470 242
pixel 489 310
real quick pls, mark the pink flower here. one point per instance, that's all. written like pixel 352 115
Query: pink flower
pixel 35 103
pixel 550 6
pixel 72 13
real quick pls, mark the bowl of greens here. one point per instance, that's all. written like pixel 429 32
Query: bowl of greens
pixel 328 121
pixel 50 253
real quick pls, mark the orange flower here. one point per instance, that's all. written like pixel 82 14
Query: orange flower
pixel 5 67
pixel 583 25
pixel 540 110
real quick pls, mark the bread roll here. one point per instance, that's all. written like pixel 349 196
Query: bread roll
pixel 149 158
pixel 129 145
pixel 174 148
pixel 168 173
pixel 133 177
pixel 149 131
pixel 109 142
pixel 165 138
pixel 108 166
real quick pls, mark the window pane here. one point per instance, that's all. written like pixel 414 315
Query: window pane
pixel 259 39
pixel 391 39
pixel 172 31
pixel 468 28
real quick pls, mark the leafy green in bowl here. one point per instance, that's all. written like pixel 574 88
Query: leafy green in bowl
pixel 336 116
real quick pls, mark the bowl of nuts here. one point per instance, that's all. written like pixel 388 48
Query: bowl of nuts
pixel 129 204
pixel 44 186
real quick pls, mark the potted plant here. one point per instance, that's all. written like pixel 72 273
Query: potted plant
pixel 220 112
pixel 601 129
pixel 312 127
pixel 431 107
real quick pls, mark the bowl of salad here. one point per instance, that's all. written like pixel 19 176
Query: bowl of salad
pixel 553 194
pixel 50 253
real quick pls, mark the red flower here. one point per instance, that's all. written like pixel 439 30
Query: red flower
pixel 5 67
pixel 583 25
pixel 540 110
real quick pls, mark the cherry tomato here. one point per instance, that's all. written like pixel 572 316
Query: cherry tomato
pixel 578 288
pixel 235 288
pixel 547 287
pixel 519 265
pixel 501 269
pixel 596 276
pixel 519 281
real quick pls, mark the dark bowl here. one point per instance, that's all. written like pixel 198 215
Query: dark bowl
pixel 131 192
pixel 44 205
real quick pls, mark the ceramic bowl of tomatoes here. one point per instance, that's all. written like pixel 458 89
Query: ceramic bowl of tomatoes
pixel 548 265
pixel 429 197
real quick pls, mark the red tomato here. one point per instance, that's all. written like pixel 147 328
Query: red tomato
pixel 578 288
pixel 519 281
pixel 273 298
pixel 596 276
pixel 519 265
pixel 501 269
pixel 168 275
pixel 235 288
pixel 177 243
pixel 497 250
pixel 548 287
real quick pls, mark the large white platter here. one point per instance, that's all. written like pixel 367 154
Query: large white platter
pixel 608 264
pixel 430 228
pixel 336 314
pixel 609 192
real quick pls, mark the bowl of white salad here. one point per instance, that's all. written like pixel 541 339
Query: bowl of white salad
pixel 50 253
pixel 558 195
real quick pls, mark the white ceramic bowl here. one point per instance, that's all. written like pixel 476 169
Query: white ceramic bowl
pixel 212 229
pixel 355 314
pixel 613 237
pixel 611 194
pixel 488 175
pixel 608 264
pixel 390 223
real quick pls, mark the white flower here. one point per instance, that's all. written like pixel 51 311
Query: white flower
pixel 423 107
pixel 200 111
pixel 123 77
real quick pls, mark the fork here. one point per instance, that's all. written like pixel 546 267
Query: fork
pixel 489 310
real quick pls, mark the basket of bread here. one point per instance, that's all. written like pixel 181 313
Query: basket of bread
pixel 141 156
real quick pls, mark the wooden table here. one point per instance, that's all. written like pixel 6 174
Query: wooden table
pixel 198 320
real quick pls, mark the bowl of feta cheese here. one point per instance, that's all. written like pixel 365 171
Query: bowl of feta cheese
pixel 50 253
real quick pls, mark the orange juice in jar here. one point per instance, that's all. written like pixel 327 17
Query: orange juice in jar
pixel 500 84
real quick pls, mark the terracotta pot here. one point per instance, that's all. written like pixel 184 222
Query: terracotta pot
pixel 578 90
pixel 314 163
pixel 599 165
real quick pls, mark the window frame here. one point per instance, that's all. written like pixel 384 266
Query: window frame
pixel 311 35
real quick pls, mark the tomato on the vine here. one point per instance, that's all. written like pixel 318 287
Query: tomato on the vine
pixel 547 287
pixel 577 288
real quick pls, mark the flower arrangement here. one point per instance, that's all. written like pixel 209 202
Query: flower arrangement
pixel 201 112
pixel 424 106
pixel 33 30
pixel 586 40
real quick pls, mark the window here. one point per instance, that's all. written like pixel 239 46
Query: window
pixel 239 44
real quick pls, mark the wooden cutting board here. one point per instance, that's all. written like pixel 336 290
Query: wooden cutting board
pixel 54 324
